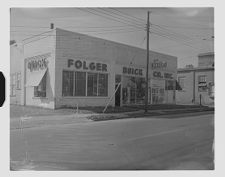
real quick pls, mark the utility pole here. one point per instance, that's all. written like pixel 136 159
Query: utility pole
pixel 146 88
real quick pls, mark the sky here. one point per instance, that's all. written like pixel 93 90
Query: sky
pixel 180 32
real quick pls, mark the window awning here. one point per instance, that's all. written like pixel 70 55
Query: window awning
pixel 35 78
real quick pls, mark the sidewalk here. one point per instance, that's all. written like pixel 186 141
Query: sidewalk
pixel 72 117
pixel 39 121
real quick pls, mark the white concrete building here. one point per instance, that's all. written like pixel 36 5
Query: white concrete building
pixel 61 68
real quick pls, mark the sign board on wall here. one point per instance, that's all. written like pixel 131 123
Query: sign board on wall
pixel 132 71
pixel 39 62
pixel 129 70
pixel 162 75
pixel 87 65
pixel 156 64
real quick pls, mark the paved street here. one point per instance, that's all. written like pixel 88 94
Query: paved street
pixel 127 144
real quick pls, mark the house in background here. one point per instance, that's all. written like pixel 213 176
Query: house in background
pixel 197 83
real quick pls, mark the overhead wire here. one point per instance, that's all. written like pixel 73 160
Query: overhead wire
pixel 101 14
pixel 127 18
pixel 138 19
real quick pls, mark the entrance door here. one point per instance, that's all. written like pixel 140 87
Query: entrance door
pixel 117 95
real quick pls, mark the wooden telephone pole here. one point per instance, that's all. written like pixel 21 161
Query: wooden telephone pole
pixel 146 89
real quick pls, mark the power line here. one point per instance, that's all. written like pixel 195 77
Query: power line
pixel 170 38
pixel 85 10
pixel 183 36
pixel 113 16
pixel 119 26
pixel 125 28
pixel 190 41
pixel 139 19
pixel 128 18
pixel 188 27
pixel 92 32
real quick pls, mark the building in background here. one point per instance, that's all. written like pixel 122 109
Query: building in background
pixel 61 68
pixel 197 83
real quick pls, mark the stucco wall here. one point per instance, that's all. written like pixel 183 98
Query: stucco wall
pixel 186 95
pixel 76 46
pixel 70 45
pixel 205 95
pixel 16 60
pixel 39 46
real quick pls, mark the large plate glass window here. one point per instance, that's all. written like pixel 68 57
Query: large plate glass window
pixel 103 85
pixel 92 84
pixel 80 83
pixel 67 87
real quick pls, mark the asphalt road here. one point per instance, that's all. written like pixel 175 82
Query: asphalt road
pixel 127 144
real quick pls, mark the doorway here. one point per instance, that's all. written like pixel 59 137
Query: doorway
pixel 117 95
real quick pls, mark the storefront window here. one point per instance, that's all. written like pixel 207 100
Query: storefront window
pixel 157 95
pixel 67 87
pixel 40 90
pixel 92 84
pixel 80 83
pixel 133 91
pixel 103 85
pixel 140 90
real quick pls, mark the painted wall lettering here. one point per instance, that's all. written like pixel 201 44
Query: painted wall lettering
pixel 34 65
pixel 158 64
pixel 159 74
pixel 78 64
pixel 132 71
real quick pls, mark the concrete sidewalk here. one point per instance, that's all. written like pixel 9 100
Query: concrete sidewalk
pixel 51 120
pixel 39 121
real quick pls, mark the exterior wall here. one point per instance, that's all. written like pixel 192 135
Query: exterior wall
pixel 77 46
pixel 70 45
pixel 159 75
pixel 191 94
pixel 206 60
pixel 185 96
pixel 39 46
pixel 16 57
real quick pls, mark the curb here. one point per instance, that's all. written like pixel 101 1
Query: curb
pixel 158 114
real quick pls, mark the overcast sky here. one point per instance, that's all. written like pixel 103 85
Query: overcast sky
pixel 181 32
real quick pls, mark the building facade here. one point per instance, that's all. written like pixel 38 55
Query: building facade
pixel 197 83
pixel 61 68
